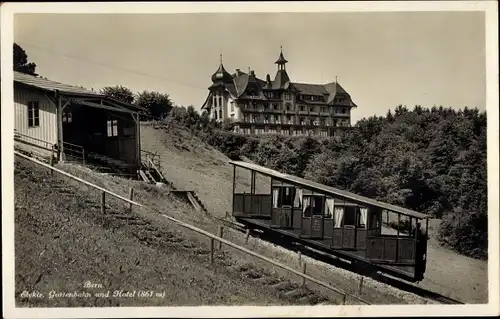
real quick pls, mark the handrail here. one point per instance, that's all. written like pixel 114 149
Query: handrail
pixel 155 168
pixel 197 230
pixel 78 146
pixel 16 134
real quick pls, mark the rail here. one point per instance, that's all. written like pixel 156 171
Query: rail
pixel 199 231
pixel 20 137
pixel 74 151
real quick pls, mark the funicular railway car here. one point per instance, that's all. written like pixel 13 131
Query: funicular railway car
pixel 337 222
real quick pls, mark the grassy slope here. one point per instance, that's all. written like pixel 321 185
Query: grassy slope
pixel 189 163
pixel 63 240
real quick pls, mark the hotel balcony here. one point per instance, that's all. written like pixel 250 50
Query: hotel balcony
pixel 303 112
pixel 343 115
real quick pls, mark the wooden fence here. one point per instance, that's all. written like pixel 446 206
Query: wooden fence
pixel 211 236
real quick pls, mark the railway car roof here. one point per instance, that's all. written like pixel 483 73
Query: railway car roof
pixel 327 189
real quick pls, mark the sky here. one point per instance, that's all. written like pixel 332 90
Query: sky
pixel 382 59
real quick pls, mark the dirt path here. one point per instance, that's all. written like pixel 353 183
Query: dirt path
pixel 190 164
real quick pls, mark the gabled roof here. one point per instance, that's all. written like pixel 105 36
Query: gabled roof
pixel 280 80
pixel 311 89
pixel 66 89
pixel 49 85
pixel 241 81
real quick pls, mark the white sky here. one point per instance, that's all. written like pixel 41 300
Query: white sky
pixel 381 58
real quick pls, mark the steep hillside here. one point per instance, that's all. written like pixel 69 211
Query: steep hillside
pixel 62 240
pixel 191 164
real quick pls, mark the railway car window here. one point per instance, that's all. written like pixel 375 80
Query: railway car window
pixel 329 208
pixel 286 197
pixel 306 211
pixel 350 216
pixel 283 196
pixel 276 192
pixel 317 205
pixel 339 216
pixel 298 198
pixel 363 214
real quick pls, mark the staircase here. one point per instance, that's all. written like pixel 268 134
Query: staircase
pixel 195 201
pixel 109 161
pixel 150 168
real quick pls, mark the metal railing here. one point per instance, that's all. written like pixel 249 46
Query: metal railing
pixel 23 138
pixel 74 152
pixel 199 231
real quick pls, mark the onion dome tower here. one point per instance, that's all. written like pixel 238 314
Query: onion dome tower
pixel 221 75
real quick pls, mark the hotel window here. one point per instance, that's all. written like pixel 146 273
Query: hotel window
pixel 322 109
pixel 302 107
pixel 112 128
pixel 220 114
pixel 311 109
pixel 215 114
pixel 33 114
pixel 232 106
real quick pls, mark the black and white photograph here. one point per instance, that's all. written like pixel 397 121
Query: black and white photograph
pixel 250 159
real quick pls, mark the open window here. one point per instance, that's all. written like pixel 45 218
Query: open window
pixel 312 205
pixel 349 216
pixel 283 196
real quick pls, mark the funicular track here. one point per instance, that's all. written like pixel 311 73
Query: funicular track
pixel 336 261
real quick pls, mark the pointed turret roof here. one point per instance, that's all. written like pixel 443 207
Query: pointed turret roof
pixel 281 59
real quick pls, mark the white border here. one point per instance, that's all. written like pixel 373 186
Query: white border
pixel 9 9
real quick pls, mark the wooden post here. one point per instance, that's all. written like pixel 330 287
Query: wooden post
pixel 360 284
pixel 304 272
pixel 103 203
pixel 221 233
pixel 83 156
pixel 52 160
pixel 211 250
pixel 131 197
pixel 344 299
pixel 300 257
pixel 247 235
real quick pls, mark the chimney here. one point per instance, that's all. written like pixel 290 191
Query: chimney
pixel 268 78
pixel 238 71
pixel 252 73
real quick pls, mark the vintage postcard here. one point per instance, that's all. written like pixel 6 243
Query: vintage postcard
pixel 250 159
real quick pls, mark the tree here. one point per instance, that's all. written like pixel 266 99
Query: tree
pixel 158 104
pixel 21 61
pixel 120 93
